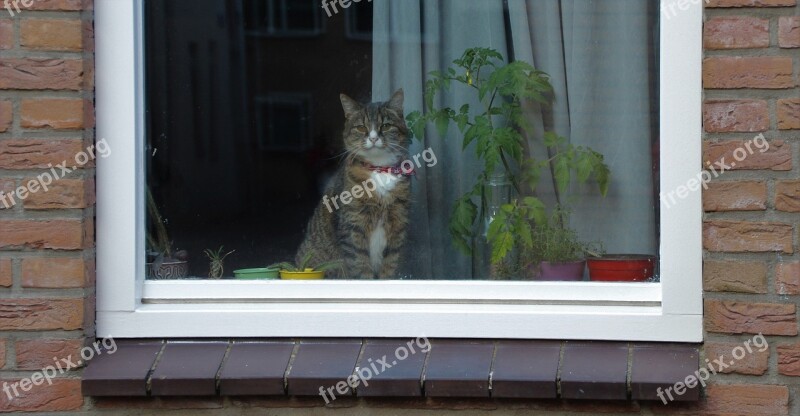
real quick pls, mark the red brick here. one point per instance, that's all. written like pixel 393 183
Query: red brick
pixel 65 5
pixel 53 272
pixel 728 116
pixel 5 273
pixel 2 353
pixel 789 359
pixel 41 314
pixel 753 363
pixel 88 74
pixel 7 186
pixel 64 394
pixel 88 231
pixel 49 234
pixel 747 237
pixel 735 196
pixel 90 271
pixel 750 3
pixel 37 153
pixel 54 113
pixel 787 278
pixel 736 32
pixel 51 34
pixel 87 38
pixel 787 196
pixel 778 156
pixel 88 114
pixel 789 32
pixel 6 34
pixel 789 114
pixel 35 354
pixel 6 115
pixel 40 74
pixel 733 317
pixel 745 399
pixel 63 194
pixel 724 72
pixel 734 276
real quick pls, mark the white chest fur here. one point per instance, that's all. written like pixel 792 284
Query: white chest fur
pixel 384 182
pixel 377 243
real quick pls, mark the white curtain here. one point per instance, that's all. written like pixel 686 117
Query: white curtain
pixel 600 56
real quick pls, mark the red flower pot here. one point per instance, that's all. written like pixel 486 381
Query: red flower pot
pixel 621 268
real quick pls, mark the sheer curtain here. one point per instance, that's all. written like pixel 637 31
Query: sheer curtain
pixel 600 57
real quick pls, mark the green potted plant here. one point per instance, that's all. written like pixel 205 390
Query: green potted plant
pixel 306 270
pixel 163 263
pixel 496 130
pixel 556 253
pixel 216 266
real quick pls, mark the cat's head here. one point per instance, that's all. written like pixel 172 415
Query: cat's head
pixel 376 132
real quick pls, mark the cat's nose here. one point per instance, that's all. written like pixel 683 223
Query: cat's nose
pixel 373 136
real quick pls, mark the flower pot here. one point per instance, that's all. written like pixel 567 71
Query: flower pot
pixel 561 272
pixel 168 270
pixel 264 273
pixel 621 268
pixel 307 274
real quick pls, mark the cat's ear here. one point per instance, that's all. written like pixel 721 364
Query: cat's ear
pixel 350 105
pixel 396 102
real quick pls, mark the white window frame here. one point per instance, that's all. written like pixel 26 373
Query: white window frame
pixel 129 306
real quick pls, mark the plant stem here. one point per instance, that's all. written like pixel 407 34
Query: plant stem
pixel 509 172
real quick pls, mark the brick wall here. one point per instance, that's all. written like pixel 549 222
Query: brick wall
pixel 752 269
pixel 46 243
pixel 751 274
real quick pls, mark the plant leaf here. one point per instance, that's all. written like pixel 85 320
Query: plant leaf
pixel 443 122
pixel 416 124
pixel 603 177
pixel 503 244
pixel 536 209
pixel 561 172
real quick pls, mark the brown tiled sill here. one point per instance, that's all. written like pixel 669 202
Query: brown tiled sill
pixel 378 368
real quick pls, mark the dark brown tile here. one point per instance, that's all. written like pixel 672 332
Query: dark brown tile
pixel 188 369
pixel 255 368
pixel 123 373
pixel 390 368
pixel 660 366
pixel 322 363
pixel 526 369
pixel 594 370
pixel 458 368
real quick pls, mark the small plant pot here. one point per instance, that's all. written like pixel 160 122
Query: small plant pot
pixel 621 268
pixel 307 274
pixel 264 273
pixel 168 270
pixel 561 272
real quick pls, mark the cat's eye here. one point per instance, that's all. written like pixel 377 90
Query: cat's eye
pixel 361 129
pixel 387 126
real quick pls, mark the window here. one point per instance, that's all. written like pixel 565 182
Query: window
pixel 283 18
pixel 359 22
pixel 284 122
pixel 234 148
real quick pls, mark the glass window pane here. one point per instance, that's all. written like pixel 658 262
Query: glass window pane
pixel 403 139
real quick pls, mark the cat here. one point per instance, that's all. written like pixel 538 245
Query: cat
pixel 367 234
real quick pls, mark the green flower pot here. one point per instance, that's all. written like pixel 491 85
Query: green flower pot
pixel 257 274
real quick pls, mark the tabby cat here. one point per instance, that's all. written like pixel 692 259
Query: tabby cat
pixel 363 216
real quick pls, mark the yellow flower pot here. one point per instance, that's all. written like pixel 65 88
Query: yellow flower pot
pixel 307 274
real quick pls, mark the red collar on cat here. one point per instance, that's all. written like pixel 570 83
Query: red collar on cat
pixel 395 170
